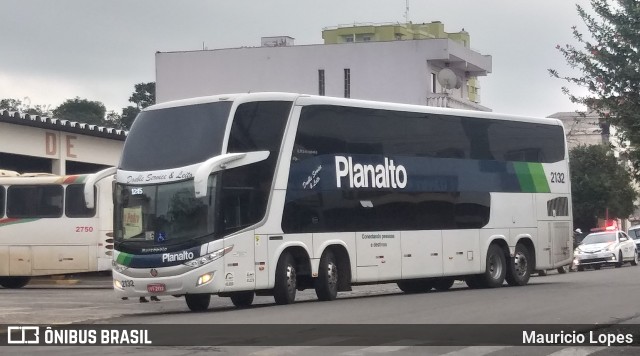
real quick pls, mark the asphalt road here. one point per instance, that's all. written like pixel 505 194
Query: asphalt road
pixel 607 296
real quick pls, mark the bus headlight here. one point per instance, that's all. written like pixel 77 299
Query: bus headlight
pixel 208 258
pixel 118 267
pixel 204 279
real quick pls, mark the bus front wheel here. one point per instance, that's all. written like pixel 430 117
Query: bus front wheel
pixel 284 291
pixel 519 269
pixel 198 302
pixel 327 282
pixel 14 282
pixel 242 299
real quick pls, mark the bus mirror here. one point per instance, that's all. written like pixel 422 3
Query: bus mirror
pixel 218 163
pixel 89 198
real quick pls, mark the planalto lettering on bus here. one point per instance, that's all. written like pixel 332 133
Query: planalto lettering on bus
pixel 279 192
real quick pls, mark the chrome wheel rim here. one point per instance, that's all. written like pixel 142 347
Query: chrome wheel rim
pixel 495 267
pixel 332 275
pixel 520 263
pixel 291 279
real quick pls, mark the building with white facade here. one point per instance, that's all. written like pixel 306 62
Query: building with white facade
pixel 30 143
pixel 403 71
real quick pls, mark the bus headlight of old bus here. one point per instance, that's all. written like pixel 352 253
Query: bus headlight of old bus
pixel 118 267
pixel 208 258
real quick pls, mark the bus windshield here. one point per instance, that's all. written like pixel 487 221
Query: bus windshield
pixel 175 137
pixel 167 214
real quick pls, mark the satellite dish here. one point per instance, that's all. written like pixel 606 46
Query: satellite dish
pixel 448 79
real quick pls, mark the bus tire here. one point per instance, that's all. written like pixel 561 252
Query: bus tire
pixel 563 269
pixel 519 267
pixel 198 302
pixel 412 286
pixel 14 282
pixel 326 284
pixel 443 284
pixel 496 269
pixel 284 291
pixel 242 299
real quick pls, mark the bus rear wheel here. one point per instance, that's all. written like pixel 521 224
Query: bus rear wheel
pixel 326 284
pixel 284 291
pixel 495 271
pixel 242 299
pixel 519 267
pixel 14 282
pixel 198 302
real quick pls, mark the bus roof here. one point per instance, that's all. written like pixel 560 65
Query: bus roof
pixel 42 178
pixel 305 99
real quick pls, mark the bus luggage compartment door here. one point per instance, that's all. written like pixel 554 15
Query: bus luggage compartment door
pixel 19 261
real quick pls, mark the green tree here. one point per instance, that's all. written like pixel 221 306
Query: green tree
pixel 24 107
pixel 609 64
pixel 599 182
pixel 144 95
pixel 82 110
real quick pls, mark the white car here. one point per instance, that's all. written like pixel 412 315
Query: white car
pixel 612 247
pixel 634 233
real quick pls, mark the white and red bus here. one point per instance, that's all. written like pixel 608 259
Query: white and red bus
pixel 46 228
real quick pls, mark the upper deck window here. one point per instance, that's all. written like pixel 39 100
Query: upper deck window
pixel 175 137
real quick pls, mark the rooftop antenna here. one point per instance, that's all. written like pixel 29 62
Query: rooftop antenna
pixel 406 12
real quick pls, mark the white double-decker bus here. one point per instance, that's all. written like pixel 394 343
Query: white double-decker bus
pixel 46 228
pixel 270 193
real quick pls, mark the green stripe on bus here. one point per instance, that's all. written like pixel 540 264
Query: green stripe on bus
pixel 524 177
pixel 539 178
pixel 10 221
pixel 124 258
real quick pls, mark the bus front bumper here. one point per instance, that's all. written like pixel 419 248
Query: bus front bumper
pixel 201 280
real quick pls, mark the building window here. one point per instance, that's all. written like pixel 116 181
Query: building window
pixel 348 39
pixel 347 83
pixel 320 81
pixel 433 82
pixel 366 38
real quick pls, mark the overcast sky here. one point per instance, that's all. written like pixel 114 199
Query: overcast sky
pixel 55 50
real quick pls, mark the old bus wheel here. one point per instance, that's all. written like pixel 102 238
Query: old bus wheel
pixel 519 269
pixel 442 284
pixel 198 302
pixel 284 291
pixel 327 282
pixel 242 299
pixel 495 271
pixel 14 282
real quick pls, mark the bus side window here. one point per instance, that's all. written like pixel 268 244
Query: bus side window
pixel 74 206
pixel 42 201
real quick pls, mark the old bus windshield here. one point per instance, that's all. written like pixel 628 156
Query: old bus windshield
pixel 175 137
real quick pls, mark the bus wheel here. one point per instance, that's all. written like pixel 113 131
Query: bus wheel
pixel 519 267
pixel 14 282
pixel 563 269
pixel 495 271
pixel 327 282
pixel 242 299
pixel 198 302
pixel 443 284
pixel 284 291
pixel 415 286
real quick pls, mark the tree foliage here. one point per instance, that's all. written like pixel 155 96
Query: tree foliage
pixel 81 110
pixel 144 95
pixel 609 63
pixel 24 106
pixel 598 183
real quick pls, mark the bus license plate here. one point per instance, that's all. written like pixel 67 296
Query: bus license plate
pixel 156 288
